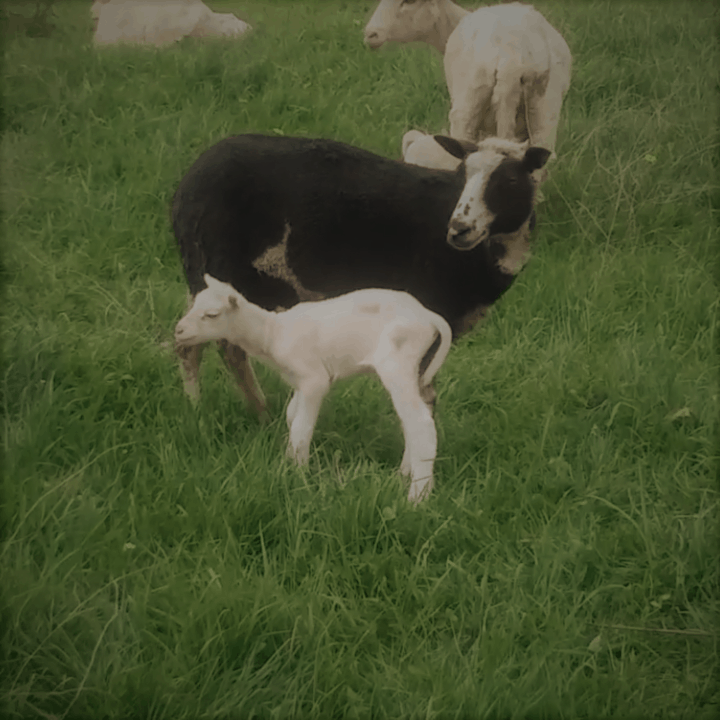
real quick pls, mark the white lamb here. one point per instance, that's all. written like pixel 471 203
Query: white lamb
pixel 313 344
pixel 507 69
pixel 159 22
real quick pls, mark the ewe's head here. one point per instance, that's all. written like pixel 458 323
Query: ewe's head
pixel 401 21
pixel 210 316
pixel 499 191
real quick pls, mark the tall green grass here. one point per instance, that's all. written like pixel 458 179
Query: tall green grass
pixel 165 561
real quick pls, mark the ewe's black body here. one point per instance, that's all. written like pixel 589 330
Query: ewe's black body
pixel 355 219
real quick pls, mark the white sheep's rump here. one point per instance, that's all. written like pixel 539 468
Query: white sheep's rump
pixel 313 344
pixel 159 22
pixel 507 70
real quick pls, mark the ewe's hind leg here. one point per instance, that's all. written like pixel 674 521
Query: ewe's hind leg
pixel 190 365
pixel 304 409
pixel 239 365
pixel 418 428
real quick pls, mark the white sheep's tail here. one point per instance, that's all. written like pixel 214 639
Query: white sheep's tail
pixel 445 334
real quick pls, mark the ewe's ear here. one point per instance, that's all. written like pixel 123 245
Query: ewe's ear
pixel 535 158
pixel 457 148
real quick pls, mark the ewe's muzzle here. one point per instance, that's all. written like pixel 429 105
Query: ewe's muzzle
pixel 463 237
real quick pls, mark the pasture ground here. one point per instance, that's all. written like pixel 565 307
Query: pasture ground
pixel 165 561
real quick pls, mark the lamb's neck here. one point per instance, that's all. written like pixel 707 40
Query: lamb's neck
pixel 445 24
pixel 253 328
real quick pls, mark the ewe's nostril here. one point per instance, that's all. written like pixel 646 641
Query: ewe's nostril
pixel 457 227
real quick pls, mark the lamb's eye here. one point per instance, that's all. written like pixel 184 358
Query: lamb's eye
pixel 211 313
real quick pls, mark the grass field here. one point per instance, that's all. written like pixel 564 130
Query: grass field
pixel 165 561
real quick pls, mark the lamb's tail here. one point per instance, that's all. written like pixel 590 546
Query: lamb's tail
pixel 445 334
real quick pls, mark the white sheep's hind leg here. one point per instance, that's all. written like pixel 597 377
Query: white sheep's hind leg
pixel 308 400
pixel 238 363
pixel 292 408
pixel 466 115
pixel 418 428
pixel 544 114
pixel 506 99
pixel 190 365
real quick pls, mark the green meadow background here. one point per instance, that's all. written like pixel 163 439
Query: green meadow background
pixel 165 561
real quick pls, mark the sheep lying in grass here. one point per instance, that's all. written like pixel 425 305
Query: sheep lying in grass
pixel 316 343
pixel 507 69
pixel 421 149
pixel 286 219
pixel 159 22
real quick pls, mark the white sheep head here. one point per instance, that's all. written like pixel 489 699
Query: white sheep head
pixel 401 21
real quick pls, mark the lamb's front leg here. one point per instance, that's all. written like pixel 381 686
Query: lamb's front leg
pixel 302 415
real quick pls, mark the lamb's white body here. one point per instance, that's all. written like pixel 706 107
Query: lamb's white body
pixel 159 22
pixel 507 69
pixel 313 344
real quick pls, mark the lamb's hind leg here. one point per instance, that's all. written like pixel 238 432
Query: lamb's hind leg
pixel 418 428
pixel 238 363
pixel 190 365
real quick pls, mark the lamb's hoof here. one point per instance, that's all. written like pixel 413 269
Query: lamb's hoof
pixel 419 491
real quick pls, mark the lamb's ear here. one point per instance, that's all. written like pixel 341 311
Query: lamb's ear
pixel 210 281
pixel 232 299
pixel 457 148
pixel 535 158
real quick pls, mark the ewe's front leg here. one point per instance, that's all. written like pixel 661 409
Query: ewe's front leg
pixel 238 363
pixel 307 402
pixel 190 366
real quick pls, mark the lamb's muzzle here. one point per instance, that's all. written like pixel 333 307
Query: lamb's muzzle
pixel 373 41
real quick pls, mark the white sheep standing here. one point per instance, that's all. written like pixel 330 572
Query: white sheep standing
pixel 313 344
pixel 159 22
pixel 507 69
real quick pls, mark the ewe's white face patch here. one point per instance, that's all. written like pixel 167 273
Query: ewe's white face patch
pixel 471 209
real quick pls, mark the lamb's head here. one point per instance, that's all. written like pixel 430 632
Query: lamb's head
pixel 401 21
pixel 210 316
pixel 499 191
